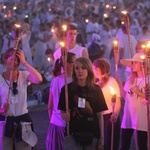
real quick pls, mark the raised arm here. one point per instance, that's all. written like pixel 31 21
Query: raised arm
pixel 34 75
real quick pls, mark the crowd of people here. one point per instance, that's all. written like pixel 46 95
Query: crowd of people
pixel 89 71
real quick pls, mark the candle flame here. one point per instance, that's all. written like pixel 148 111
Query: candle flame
pixel 107 6
pixel 142 57
pixel 148 45
pixel 62 44
pixel 122 22
pixel 115 42
pixel 112 91
pixel 17 25
pixel 114 7
pixel 105 15
pixel 64 27
pixel 49 59
pixel 86 20
pixel 143 46
pixel 124 12
pixel 4 7
pixel 14 8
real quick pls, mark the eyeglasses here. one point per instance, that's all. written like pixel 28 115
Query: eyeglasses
pixel 14 88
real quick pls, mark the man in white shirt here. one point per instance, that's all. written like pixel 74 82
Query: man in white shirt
pixel 71 45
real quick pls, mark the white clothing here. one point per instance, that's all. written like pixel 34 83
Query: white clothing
pixel 40 59
pixel 7 42
pixel 35 24
pixel 25 38
pixel 135 111
pixel 55 88
pixel 91 27
pixel 108 96
pixel 78 50
pixel 20 107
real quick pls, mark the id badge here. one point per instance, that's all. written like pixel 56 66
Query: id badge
pixel 14 99
pixel 81 102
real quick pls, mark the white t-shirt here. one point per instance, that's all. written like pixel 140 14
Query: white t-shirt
pixel 135 111
pixel 18 102
pixel 76 50
pixel 55 88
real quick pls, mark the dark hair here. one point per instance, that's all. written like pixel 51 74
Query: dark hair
pixel 103 64
pixel 88 66
pixel 59 64
pixel 9 52
pixel 49 51
pixel 71 27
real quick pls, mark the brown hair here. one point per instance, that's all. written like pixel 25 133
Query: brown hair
pixel 88 66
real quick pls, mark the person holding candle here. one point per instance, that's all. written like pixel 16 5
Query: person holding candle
pixel 135 109
pixel 101 69
pixel 71 45
pixel 86 101
pixel 57 125
pixel 16 130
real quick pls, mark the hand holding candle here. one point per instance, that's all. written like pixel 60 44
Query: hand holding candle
pixel 113 116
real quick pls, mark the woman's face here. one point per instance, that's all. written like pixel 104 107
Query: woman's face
pixel 80 71
pixel 136 66
pixel 97 72
pixel 9 63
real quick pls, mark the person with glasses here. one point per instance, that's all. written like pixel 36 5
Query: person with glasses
pixel 86 102
pixel 57 125
pixel 13 100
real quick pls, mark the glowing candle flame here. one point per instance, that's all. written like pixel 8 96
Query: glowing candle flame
pixel 112 91
pixel 62 44
pixel 4 7
pixel 52 30
pixel 142 57
pixel 15 8
pixel 124 12
pixel 115 43
pixel 105 16
pixel 86 20
pixel 143 46
pixel 107 6
pixel 49 59
pixel 26 16
pixel 122 22
pixel 114 7
pixel 17 25
pixel 148 45
pixel 64 27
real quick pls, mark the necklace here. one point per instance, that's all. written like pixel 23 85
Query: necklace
pixel 12 85
pixel 139 82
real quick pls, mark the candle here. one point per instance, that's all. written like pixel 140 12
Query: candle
pixel 116 54
pixel 113 99
pixel 86 20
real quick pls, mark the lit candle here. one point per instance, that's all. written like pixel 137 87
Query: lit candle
pixel 107 6
pixel 64 27
pixel 116 54
pixel 14 8
pixel 86 20
pixel 147 50
pixel 113 99
pixel 4 7
pixel 105 16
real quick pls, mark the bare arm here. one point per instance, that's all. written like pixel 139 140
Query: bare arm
pixel 50 104
pixel 85 53
pixel 34 75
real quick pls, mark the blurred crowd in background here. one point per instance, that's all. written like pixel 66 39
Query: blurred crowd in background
pixel 41 22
